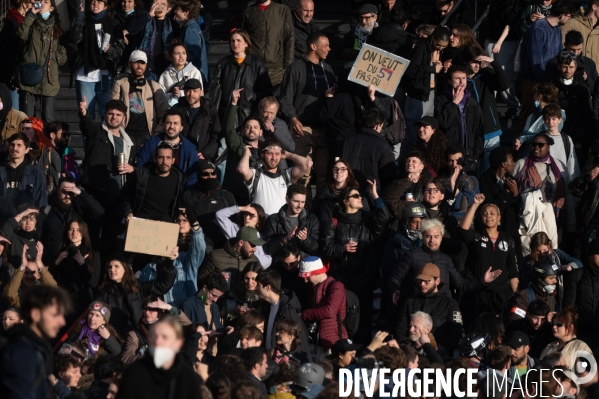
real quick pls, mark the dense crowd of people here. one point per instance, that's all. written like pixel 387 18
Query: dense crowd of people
pixel 302 199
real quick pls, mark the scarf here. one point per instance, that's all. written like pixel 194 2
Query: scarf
pixel 149 39
pixel 93 338
pixel 530 180
pixel 99 15
pixel 91 53
pixel 207 185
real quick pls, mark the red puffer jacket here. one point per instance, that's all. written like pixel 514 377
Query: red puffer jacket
pixel 328 301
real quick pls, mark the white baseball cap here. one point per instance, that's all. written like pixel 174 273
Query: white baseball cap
pixel 138 55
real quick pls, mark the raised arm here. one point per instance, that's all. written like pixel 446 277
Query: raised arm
pixel 243 167
pixel 469 217
pixel 302 165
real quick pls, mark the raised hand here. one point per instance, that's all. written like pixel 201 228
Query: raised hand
pixel 235 95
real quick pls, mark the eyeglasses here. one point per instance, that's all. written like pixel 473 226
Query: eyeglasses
pixel 339 170
pixel 567 55
pixel 207 174
pixel 355 196
pixel 558 324
pixel 431 190
pixel 366 17
pixel 537 144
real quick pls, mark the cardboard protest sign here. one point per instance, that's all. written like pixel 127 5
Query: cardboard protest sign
pixel 151 237
pixel 379 68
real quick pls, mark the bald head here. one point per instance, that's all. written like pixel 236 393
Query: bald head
pixel 305 11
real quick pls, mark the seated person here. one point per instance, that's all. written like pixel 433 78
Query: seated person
pixel 95 333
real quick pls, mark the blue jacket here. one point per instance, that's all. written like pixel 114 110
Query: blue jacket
pixel 191 35
pixel 194 308
pixel 188 159
pixel 187 264
pixel 32 186
pixel 541 43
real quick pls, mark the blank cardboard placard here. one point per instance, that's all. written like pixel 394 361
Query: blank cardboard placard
pixel 379 68
pixel 151 237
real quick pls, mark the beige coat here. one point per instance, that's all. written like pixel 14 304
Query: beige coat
pixel 568 351
pixel 155 103
pixel 13 121
pixel 11 291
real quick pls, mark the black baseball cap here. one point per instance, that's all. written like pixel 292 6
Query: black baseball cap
pixel 344 345
pixel 192 84
pixel 518 339
pixel 428 121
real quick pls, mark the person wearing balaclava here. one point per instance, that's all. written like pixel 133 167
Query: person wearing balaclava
pixel 161 372
pixel 205 198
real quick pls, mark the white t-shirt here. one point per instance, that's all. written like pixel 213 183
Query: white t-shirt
pixel 270 193
pixel 558 151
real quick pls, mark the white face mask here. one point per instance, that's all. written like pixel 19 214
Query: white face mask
pixel 549 288
pixel 161 355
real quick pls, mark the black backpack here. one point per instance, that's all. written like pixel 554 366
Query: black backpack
pixel 352 312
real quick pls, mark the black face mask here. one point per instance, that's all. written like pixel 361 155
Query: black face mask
pixel 206 185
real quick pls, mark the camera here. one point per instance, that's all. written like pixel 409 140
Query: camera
pixel 37 5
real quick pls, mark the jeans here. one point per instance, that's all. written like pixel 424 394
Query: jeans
pixel 507 59
pixel 27 105
pixel 14 96
pixel 95 92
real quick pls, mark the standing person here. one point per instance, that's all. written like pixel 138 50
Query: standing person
pixel 155 39
pixel 162 372
pixel 585 67
pixel 42 153
pixel 354 39
pixel 270 27
pixel 305 86
pixel 129 23
pixel 241 72
pixel 26 359
pixel 461 15
pixel 22 182
pixel 586 25
pixel 104 177
pixel 432 144
pixel 185 14
pixel 418 82
pixel 11 46
pixel 40 32
pixel 541 43
pixel 564 147
pixel 95 63
pixel 304 26
pixel 256 362
pixel 459 186
pixel 178 72
pixel 145 100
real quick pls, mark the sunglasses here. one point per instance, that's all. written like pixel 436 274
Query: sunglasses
pixel 207 174
pixel 355 196
pixel 567 55
pixel 558 324
pixel 249 215
pixel 537 144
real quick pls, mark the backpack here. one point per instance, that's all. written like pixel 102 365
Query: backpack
pixel 396 130
pixel 257 175
pixel 567 147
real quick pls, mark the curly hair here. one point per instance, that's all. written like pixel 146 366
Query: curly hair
pixel 434 151
pixel 392 358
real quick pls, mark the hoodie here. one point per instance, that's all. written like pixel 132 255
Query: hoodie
pixel 172 78
pixel 303 90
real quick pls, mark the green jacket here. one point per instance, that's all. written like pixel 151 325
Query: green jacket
pixel 36 35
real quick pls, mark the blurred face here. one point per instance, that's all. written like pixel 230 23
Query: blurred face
pixel 48 321
pixel 490 216
pixel 64 196
pixel 432 238
pixel 115 271
pixel 354 200
pixel 552 123
pixel 28 223
pixel 9 319
pixel 161 7
pixel 75 233
pixel 414 223
pixel 443 10
pixel 193 96
pixel 271 158
pixel 269 112
pixel 296 203
pixel 246 342
pixel 458 79
pixel 97 6
pixel 179 56
pixel 453 161
pixel 291 263
pixel 252 130
pixel 238 44
pixel 150 315
pixel 203 342
pixel 425 133
pixel 454 38
pixel 305 11
pixel 95 319
pixel 212 295
pixel 427 287
pixel 321 48
pixel 249 280
pixel 113 390
pixel 247 250
pixel 138 68
pixel 346 358
pixel 127 5
pixel 114 118
pixel 414 165
pixel 17 149
pixel 164 160
pixel 31 274
pixel 543 251
pixel 536 321
pixel 71 376
pixel 163 335
pixel 250 217
pixel 432 195
pixel 568 69
pixel 340 173
pixel 284 338
pixel 173 127
pixel 184 226
pixel 417 325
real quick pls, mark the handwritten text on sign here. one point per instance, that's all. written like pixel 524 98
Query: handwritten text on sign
pixel 379 68
pixel 151 237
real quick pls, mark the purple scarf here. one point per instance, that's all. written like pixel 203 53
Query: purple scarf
pixel 93 338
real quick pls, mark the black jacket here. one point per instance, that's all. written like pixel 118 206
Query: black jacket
pixel 18 238
pixel 462 15
pixel 134 191
pixel 135 25
pixel 370 157
pixel 204 130
pixel 584 63
pixel 508 205
pixel 11 46
pixel 302 31
pixel 338 114
pixel 276 229
pixel 227 76
pixel 450 121
pixel 126 309
pixel 575 100
pixel 446 315
pixel 325 205
pixel 355 270
pixel 588 191
pixel 583 292
pixel 411 263
pixel 205 205
pixel 54 220
pixel 504 12
pixel 392 38
pixel 538 339
pixel 416 80
pixel 483 87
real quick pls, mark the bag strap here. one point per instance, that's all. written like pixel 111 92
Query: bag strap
pixel 257 175
pixel 567 147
